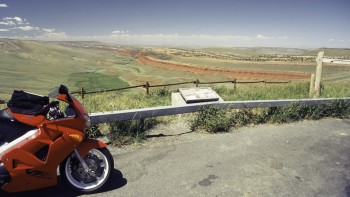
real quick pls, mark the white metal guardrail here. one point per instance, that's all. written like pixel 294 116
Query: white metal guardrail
pixel 113 116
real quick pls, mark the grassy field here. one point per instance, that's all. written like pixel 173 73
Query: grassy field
pixel 38 66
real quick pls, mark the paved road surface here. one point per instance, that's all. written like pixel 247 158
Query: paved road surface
pixel 309 158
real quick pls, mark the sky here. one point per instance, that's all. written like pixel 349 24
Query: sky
pixel 182 23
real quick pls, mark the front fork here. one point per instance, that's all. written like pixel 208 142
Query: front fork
pixel 82 151
pixel 81 160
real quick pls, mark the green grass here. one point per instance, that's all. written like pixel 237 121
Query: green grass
pixel 126 100
pixel 37 67
pixel 96 81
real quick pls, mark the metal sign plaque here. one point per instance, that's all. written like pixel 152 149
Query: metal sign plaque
pixel 202 94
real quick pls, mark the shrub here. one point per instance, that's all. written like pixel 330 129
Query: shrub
pixel 242 117
pixel 336 109
pixel 160 92
pixel 123 132
pixel 215 120
pixel 211 119
pixel 288 114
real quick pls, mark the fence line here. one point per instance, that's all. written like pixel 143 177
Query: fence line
pixel 147 86
pixel 83 92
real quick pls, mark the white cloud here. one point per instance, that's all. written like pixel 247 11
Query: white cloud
pixel 12 21
pixel 331 40
pixel 118 32
pixel 26 28
pixel 48 30
pixel 261 37
pixel 3 5
pixel 29 31
pixel 16 18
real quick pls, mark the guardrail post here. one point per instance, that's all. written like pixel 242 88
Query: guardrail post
pixel 234 84
pixel 197 83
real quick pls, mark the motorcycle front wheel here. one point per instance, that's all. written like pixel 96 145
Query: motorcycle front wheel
pixel 100 164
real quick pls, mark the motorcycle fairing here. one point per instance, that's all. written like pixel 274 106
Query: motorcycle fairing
pixel 88 144
pixel 11 128
pixel 27 169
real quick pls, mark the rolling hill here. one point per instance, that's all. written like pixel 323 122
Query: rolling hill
pixel 37 67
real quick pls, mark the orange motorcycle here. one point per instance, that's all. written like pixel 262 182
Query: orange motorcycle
pixel 38 140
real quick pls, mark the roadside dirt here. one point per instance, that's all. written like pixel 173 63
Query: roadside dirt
pixel 228 73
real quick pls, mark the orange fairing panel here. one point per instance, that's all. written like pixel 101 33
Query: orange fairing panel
pixel 89 144
pixel 28 119
pixel 30 171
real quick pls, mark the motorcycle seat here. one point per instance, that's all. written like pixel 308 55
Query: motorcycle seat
pixel 10 128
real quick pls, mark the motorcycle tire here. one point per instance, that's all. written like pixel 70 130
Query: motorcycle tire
pixel 100 163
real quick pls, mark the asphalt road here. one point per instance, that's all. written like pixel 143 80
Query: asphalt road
pixel 309 158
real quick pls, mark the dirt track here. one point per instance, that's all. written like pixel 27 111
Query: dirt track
pixel 228 73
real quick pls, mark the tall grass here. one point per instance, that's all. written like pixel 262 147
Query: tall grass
pixel 295 112
pixel 208 119
pixel 294 90
pixel 125 132
pixel 126 100
pixel 214 120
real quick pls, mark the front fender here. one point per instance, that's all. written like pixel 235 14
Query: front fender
pixel 87 144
